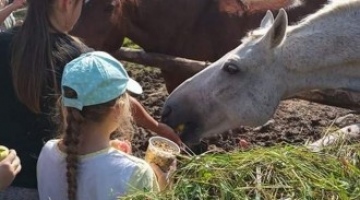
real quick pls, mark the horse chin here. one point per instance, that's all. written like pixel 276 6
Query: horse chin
pixel 191 135
pixel 189 139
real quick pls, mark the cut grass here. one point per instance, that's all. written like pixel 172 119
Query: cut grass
pixel 279 172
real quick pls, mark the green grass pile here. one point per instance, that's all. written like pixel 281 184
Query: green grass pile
pixel 279 172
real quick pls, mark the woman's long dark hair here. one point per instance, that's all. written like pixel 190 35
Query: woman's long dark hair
pixel 32 64
pixel 31 56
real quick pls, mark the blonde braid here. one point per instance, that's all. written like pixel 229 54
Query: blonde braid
pixel 71 140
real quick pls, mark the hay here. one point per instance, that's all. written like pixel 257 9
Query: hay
pixel 279 172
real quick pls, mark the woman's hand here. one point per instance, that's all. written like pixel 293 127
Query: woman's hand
pixel 122 145
pixel 9 168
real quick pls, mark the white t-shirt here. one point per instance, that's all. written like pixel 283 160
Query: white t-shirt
pixel 103 175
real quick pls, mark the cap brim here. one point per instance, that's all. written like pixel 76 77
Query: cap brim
pixel 134 87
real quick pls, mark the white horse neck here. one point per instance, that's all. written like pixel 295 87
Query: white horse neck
pixel 322 51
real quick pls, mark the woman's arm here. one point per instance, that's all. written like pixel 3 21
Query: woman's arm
pixel 142 118
pixel 7 10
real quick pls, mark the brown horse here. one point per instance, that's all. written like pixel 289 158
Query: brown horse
pixel 194 29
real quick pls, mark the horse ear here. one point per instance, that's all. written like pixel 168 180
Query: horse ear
pixel 268 20
pixel 277 33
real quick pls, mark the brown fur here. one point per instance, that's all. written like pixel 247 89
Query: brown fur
pixel 194 29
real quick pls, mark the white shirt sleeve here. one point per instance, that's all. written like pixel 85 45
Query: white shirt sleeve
pixel 143 179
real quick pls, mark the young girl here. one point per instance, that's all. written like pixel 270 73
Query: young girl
pixel 82 164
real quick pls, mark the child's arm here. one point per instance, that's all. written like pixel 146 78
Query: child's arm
pixel 7 10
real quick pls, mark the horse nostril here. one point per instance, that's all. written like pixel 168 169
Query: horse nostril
pixel 166 113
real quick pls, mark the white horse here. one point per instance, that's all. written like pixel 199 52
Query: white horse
pixel 274 62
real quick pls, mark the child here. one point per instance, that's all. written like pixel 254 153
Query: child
pixel 82 164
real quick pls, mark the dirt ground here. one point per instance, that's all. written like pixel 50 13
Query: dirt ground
pixel 295 122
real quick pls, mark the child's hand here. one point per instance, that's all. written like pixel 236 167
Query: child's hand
pixel 164 178
pixel 124 146
pixel 9 168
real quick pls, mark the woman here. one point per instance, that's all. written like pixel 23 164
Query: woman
pixel 32 59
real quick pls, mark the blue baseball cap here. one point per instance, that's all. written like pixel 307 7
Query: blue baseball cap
pixel 97 78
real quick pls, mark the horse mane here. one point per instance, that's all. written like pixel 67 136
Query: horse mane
pixel 332 8
pixel 256 6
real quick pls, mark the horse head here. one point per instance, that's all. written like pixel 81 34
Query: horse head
pixel 106 34
pixel 244 87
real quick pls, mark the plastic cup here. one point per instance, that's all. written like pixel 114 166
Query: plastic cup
pixel 162 152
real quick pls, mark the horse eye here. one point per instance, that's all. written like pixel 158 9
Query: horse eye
pixel 230 68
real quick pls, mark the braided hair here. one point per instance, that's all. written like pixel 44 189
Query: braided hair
pixel 72 129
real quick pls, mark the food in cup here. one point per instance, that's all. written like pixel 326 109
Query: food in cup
pixel 161 152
